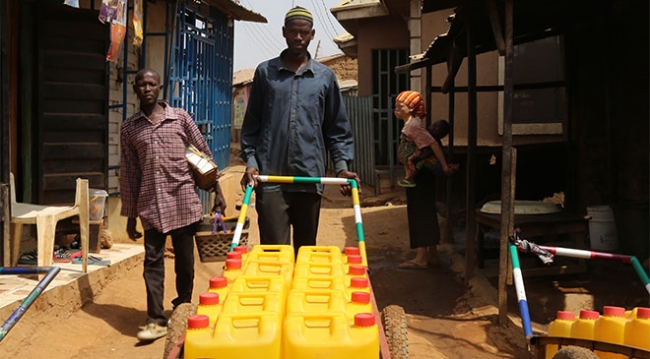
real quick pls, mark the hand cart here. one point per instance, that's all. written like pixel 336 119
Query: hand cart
pixel 391 321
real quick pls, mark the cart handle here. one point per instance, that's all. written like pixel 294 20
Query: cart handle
pixel 310 180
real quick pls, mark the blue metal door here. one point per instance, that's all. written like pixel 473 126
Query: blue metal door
pixel 200 73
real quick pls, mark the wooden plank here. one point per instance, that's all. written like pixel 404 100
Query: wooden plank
pixel 472 135
pixel 68 106
pixel 497 30
pixel 74 121
pixel 76 92
pixel 75 75
pixel 506 168
pixel 85 45
pixel 79 165
pixel 73 151
pixel 69 60
pixel 80 136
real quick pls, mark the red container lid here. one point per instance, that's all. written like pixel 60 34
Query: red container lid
pixel 233 255
pixel 361 297
pixel 233 263
pixel 218 282
pixel 198 322
pixel 351 250
pixel 613 311
pixel 354 258
pixel 241 249
pixel 643 313
pixel 565 315
pixel 359 282
pixel 209 298
pixel 589 314
pixel 364 320
pixel 357 270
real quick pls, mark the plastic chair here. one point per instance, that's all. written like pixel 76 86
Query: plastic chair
pixel 45 218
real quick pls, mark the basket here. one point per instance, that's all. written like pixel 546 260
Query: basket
pixel 213 247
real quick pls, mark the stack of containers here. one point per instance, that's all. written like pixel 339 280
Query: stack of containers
pixel 616 325
pixel 265 306
pixel 325 318
pixel 250 322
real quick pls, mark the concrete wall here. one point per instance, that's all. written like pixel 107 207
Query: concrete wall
pixel 389 32
pixel 487 71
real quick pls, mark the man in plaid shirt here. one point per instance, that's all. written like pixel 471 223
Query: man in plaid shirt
pixel 157 185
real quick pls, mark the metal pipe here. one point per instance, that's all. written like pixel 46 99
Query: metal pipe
pixel 51 272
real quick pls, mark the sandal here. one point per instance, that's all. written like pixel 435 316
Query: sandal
pixel 406 183
pixel 61 255
pixel 28 257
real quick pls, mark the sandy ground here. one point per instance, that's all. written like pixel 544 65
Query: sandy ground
pixel 446 319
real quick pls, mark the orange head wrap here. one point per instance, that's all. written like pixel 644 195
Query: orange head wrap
pixel 414 101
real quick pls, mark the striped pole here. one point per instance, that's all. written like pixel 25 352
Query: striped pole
pixel 325 181
pixel 585 254
pixel 521 291
pixel 51 272
pixel 242 218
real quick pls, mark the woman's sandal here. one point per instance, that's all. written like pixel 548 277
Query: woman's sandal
pixel 406 183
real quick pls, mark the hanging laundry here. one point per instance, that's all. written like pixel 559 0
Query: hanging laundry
pixel 108 11
pixel 137 23
pixel 118 31
pixel 73 3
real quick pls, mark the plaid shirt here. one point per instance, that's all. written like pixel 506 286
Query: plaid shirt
pixel 156 180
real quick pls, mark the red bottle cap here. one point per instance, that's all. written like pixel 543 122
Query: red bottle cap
pixel 589 314
pixel 643 313
pixel 209 298
pixel 357 270
pixel 351 250
pixel 565 315
pixel 233 255
pixel 233 263
pixel 364 320
pixel 359 282
pixel 613 311
pixel 218 282
pixel 198 322
pixel 241 249
pixel 361 297
pixel 354 258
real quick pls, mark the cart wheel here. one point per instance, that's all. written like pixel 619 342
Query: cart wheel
pixel 177 325
pixel 393 318
pixel 573 352
pixel 105 238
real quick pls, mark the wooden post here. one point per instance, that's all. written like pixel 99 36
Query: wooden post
pixel 507 181
pixel 470 201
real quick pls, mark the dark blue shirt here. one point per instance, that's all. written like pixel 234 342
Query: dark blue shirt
pixel 292 121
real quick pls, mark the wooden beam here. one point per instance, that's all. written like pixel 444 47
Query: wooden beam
pixel 495 21
pixel 507 182
pixel 472 116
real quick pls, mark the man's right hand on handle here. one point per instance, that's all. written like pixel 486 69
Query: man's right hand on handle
pixel 249 178
pixel 130 229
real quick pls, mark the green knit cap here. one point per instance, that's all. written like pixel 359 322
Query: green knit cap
pixel 298 13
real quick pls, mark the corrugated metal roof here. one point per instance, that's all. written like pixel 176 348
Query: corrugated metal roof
pixel 243 77
pixel 237 11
